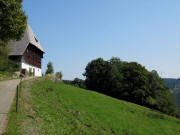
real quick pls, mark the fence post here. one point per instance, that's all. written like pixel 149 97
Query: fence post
pixel 17 99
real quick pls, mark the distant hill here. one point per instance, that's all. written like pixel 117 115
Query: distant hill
pixel 171 83
pixel 174 85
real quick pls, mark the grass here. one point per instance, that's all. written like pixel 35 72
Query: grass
pixel 49 108
pixel 5 75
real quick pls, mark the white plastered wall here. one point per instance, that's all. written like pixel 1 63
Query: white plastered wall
pixel 38 71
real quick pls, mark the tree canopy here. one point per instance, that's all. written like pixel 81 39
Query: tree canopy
pixel 13 20
pixel 12 27
pixel 129 81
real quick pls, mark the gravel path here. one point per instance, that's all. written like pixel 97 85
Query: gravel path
pixel 7 93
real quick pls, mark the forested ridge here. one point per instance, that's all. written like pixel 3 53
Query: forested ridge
pixel 130 81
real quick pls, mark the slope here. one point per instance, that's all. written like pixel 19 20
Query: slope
pixel 58 109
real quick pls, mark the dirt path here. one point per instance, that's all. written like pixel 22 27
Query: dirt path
pixel 7 93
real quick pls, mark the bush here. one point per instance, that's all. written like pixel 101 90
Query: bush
pixel 59 75
pixel 2 76
pixel 79 83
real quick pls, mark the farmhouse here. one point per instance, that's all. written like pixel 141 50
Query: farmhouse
pixel 28 52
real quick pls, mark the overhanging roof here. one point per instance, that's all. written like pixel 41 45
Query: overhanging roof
pixel 18 47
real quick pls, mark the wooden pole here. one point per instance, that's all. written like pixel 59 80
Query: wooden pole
pixel 17 99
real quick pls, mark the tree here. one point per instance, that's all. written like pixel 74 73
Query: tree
pixel 135 83
pixel 164 100
pixel 115 77
pixel 4 51
pixel 96 75
pixel 59 75
pixel 12 21
pixel 129 81
pixel 50 69
pixel 5 63
pixel 12 27
pixel 79 83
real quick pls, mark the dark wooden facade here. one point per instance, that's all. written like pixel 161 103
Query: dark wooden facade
pixel 32 56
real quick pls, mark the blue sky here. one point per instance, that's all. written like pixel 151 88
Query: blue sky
pixel 73 32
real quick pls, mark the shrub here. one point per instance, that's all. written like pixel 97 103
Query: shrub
pixel 79 83
pixel 59 75
pixel 2 76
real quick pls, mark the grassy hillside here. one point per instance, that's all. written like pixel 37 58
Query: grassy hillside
pixel 49 108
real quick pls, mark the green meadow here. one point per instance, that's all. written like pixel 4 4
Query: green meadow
pixel 48 108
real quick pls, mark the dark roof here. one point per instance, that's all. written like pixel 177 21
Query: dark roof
pixel 18 47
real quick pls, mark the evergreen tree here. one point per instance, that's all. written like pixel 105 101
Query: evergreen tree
pixel 50 69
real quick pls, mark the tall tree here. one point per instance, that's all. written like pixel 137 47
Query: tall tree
pixel 96 75
pixel 13 21
pixel 135 82
pixel 50 69
pixel 12 27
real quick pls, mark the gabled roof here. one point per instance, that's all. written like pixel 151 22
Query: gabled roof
pixel 19 47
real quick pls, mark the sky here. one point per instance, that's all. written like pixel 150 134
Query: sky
pixel 74 32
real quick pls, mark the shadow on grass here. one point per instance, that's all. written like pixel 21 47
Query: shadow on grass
pixel 128 132
pixel 156 116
